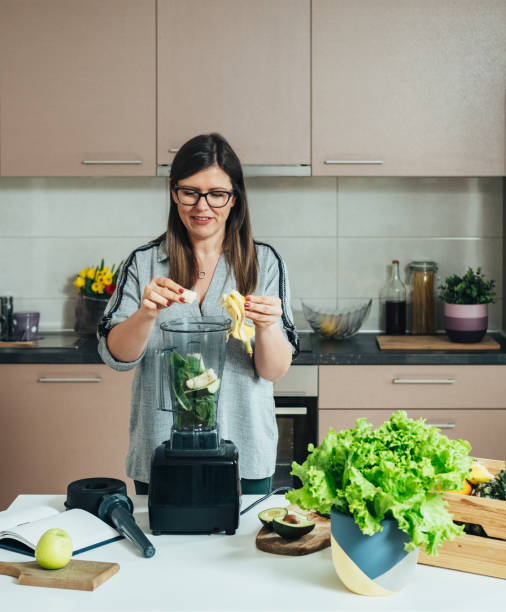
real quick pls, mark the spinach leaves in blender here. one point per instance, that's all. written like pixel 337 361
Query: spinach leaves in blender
pixel 199 407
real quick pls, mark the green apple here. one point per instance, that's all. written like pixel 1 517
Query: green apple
pixel 54 549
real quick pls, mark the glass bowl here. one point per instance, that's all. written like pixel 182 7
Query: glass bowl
pixel 336 324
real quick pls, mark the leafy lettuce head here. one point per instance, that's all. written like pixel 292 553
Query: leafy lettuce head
pixel 399 470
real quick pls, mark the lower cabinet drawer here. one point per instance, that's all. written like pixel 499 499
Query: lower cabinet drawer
pixel 485 430
pixel 60 423
pixel 393 387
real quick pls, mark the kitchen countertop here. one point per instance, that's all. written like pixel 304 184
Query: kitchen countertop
pixel 361 349
pixel 228 573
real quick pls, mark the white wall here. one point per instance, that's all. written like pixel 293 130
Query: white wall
pixel 337 236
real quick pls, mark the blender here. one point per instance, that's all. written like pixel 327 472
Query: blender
pixel 194 485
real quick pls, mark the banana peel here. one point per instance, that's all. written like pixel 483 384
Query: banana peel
pixel 233 303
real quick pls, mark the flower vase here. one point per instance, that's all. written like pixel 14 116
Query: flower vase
pixel 89 311
pixel 374 565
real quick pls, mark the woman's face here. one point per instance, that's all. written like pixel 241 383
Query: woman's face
pixel 201 220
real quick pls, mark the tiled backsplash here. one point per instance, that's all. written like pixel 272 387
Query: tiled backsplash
pixel 337 236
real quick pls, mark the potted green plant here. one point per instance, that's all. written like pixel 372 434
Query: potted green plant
pixel 466 300
pixel 383 491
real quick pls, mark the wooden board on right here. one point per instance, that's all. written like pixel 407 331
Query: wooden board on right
pixel 471 553
pixel 433 343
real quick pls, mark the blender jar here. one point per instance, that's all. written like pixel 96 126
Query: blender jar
pixel 423 304
pixel 192 367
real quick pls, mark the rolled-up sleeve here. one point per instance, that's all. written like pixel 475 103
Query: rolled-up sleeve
pixel 124 302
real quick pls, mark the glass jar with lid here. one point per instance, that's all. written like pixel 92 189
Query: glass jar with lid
pixel 423 301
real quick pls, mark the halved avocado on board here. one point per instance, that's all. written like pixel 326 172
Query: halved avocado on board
pixel 293 525
pixel 266 516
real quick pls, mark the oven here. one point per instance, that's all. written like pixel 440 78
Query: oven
pixel 296 402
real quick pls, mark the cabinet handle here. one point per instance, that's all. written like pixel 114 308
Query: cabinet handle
pixel 111 162
pixel 173 150
pixel 290 410
pixel 423 381
pixel 354 161
pixel 91 379
pixel 443 425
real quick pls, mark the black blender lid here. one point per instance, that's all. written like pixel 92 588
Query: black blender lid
pixel 87 493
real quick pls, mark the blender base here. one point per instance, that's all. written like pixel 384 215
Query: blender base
pixel 194 491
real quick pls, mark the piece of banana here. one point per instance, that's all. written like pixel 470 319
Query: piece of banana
pixel 233 303
pixel 189 296
pixel 202 380
pixel 479 474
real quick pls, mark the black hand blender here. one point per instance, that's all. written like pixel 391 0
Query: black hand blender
pixel 107 499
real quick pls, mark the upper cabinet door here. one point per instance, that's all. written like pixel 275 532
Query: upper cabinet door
pixel 408 88
pixel 78 87
pixel 238 67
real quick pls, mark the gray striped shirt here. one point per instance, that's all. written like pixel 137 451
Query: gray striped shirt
pixel 246 405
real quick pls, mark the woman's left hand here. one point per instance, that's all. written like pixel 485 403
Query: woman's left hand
pixel 263 310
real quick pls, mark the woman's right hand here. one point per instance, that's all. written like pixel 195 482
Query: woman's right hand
pixel 158 294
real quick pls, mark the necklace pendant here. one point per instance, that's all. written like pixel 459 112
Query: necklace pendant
pixel 202 274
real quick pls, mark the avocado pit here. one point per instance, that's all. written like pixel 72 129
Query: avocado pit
pixel 292 526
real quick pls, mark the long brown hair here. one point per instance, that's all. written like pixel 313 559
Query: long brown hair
pixel 197 154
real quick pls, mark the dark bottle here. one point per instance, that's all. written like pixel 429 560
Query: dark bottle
pixel 394 296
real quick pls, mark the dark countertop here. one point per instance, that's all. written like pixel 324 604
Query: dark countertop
pixel 362 349
pixel 65 347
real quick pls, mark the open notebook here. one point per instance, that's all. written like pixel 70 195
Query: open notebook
pixel 20 530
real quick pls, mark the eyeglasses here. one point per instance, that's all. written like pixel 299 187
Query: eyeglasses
pixel 216 198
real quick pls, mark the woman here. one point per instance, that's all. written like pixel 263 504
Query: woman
pixel 207 247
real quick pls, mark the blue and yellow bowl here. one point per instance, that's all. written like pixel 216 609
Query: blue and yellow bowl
pixel 374 565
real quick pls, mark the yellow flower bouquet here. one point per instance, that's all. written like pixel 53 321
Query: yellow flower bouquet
pixel 95 286
pixel 98 281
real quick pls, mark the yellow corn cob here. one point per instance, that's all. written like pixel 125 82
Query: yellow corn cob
pixel 233 303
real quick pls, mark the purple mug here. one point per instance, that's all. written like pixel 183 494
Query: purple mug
pixel 25 325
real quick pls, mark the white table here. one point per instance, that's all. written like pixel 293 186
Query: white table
pixel 220 572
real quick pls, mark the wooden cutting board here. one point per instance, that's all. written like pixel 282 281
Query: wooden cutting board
pixel 17 344
pixel 80 575
pixel 433 343
pixel 318 539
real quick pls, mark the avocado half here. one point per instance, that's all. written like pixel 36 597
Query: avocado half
pixel 293 525
pixel 267 516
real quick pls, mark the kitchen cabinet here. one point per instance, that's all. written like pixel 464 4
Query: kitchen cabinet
pixel 467 402
pixel 483 429
pixel 236 67
pixel 408 88
pixel 78 82
pixel 60 423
